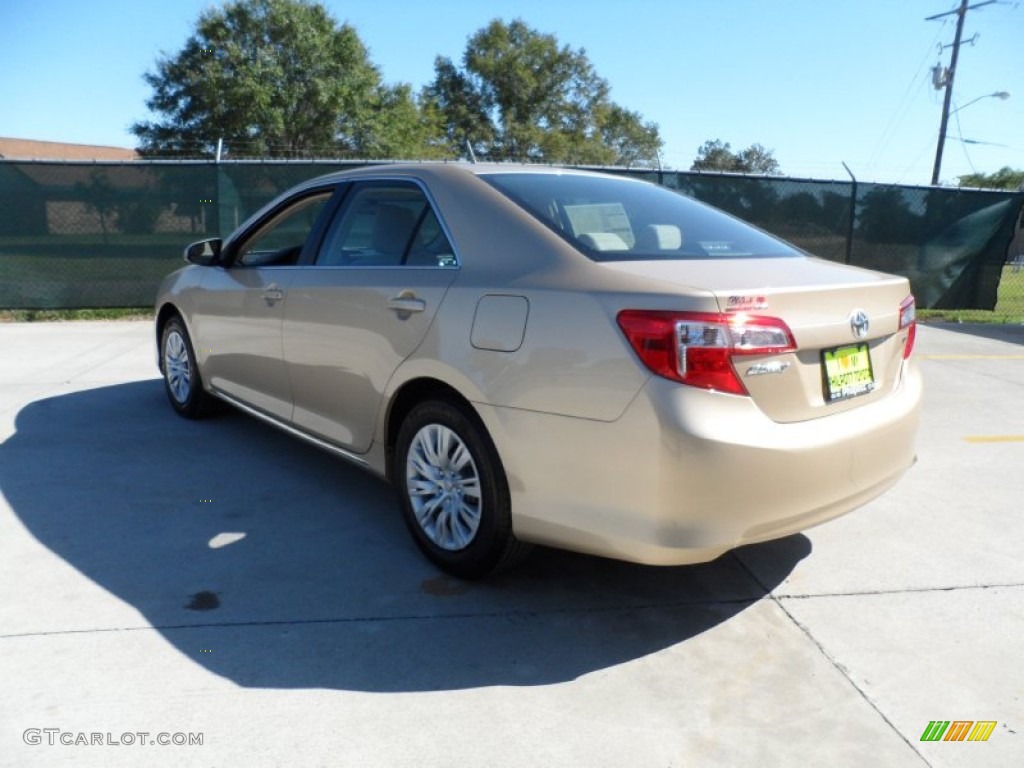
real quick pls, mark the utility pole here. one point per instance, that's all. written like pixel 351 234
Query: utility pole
pixel 961 13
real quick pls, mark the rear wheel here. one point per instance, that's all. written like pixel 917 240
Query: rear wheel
pixel 181 374
pixel 453 491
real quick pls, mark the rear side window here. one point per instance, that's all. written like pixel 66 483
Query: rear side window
pixel 386 224
pixel 613 219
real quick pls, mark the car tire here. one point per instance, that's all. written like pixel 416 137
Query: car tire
pixel 182 381
pixel 453 491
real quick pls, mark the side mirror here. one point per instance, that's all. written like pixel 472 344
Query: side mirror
pixel 204 253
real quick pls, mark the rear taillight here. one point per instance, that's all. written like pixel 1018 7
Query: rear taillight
pixel 696 348
pixel 908 320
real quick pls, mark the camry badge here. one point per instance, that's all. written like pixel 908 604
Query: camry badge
pixel 760 369
pixel 745 303
pixel 859 323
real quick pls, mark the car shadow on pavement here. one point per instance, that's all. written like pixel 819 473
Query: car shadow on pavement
pixel 275 565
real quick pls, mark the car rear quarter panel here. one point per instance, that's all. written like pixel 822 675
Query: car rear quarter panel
pixel 571 362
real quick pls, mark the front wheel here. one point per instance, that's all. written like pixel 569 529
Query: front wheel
pixel 453 491
pixel 181 374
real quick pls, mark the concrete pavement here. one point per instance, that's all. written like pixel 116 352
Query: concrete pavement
pixel 224 581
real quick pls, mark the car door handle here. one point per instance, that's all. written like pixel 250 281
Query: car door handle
pixel 272 293
pixel 406 303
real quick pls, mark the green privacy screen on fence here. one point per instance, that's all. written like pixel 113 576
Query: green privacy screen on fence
pixel 76 235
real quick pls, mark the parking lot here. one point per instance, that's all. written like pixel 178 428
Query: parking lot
pixel 163 580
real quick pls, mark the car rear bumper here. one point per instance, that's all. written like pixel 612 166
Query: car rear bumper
pixel 685 475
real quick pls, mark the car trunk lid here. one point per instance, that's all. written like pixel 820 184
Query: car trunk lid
pixel 845 322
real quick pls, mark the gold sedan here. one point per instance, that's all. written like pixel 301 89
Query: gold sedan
pixel 535 355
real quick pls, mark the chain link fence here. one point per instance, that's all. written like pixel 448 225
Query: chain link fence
pixel 79 235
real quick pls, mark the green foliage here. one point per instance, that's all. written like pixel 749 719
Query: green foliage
pixel 518 95
pixel 63 315
pixel 273 78
pixel 626 139
pixel 718 156
pixel 1005 178
pixel 398 126
pixel 1009 304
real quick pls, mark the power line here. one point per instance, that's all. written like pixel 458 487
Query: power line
pixel 903 108
pixel 963 144
pixel 950 74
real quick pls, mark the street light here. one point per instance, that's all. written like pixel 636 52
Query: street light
pixel 1002 95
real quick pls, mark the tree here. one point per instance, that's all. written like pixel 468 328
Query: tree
pixel 271 78
pixel 519 95
pixel 1005 178
pixel 398 125
pixel 630 140
pixel 718 156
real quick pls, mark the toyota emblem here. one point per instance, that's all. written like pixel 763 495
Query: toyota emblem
pixel 859 323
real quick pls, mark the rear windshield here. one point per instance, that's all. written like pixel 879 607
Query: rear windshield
pixel 613 219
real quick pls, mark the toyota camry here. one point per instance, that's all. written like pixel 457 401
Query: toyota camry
pixel 548 356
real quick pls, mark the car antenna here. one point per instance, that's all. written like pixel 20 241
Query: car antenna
pixel 472 156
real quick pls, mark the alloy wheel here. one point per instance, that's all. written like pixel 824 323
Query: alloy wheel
pixel 177 366
pixel 444 487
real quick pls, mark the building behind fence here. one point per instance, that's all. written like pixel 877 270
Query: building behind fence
pixel 103 234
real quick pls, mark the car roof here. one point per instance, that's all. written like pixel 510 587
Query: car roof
pixel 440 170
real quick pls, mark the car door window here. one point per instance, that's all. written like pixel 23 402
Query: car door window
pixel 430 246
pixel 279 241
pixel 386 224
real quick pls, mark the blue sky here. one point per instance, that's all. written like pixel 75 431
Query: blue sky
pixel 817 81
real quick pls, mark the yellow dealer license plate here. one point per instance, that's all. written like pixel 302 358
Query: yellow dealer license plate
pixel 847 372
